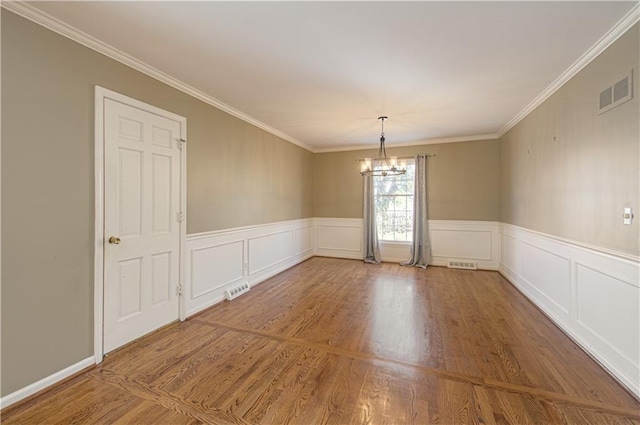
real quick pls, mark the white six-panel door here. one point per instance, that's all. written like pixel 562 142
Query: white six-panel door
pixel 141 222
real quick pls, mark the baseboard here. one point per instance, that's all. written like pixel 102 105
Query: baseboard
pixel 46 382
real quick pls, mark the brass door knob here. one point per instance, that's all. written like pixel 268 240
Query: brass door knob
pixel 114 240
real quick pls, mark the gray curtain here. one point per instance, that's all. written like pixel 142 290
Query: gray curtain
pixel 371 245
pixel 421 247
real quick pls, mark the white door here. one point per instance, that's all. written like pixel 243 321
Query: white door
pixel 141 222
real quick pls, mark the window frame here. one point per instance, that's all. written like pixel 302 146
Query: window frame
pixel 410 207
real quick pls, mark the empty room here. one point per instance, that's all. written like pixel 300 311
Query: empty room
pixel 320 212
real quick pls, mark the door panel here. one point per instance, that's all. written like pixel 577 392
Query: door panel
pixel 142 201
pixel 161 269
pixel 129 287
pixel 129 198
pixel 161 208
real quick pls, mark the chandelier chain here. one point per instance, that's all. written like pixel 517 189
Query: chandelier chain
pixel 382 165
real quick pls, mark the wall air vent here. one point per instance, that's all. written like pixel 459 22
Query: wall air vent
pixel 606 98
pixel 465 265
pixel 617 94
pixel 236 291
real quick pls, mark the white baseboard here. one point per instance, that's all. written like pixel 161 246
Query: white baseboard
pixel 40 385
pixel 592 295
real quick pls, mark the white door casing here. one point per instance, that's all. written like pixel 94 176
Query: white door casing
pixel 143 210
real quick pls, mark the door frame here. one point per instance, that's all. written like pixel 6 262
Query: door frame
pixel 102 94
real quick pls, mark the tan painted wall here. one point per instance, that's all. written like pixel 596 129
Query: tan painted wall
pixel 462 181
pixel 576 186
pixel 237 175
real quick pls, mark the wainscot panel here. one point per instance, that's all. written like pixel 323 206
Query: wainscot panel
pixel 551 281
pixel 215 266
pixel 450 240
pixel 593 295
pixel 217 261
pixel 269 250
pixel 338 237
pixel 454 240
pixel 395 252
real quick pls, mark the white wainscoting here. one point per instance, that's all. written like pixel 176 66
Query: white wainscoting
pixel 216 261
pixel 338 237
pixel 450 240
pixel 465 240
pixel 593 295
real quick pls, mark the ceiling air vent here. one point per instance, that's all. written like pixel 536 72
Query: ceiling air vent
pixel 616 94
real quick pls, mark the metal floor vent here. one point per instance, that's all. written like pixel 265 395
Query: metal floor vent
pixel 466 265
pixel 236 291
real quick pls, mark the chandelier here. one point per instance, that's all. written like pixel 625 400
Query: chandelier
pixel 382 165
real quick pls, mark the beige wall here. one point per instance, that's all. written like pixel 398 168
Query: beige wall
pixel 240 175
pixel 462 181
pixel 237 175
pixel 567 171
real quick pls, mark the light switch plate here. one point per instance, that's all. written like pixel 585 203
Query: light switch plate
pixel 627 216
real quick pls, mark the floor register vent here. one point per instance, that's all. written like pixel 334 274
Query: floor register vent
pixel 466 265
pixel 235 292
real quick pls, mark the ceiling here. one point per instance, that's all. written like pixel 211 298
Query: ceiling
pixel 320 73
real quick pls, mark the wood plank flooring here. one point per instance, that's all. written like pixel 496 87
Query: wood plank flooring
pixel 342 342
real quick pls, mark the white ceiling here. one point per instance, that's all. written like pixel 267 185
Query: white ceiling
pixel 322 72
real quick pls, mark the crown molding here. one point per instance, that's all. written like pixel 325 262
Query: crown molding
pixel 45 20
pixel 476 137
pixel 627 21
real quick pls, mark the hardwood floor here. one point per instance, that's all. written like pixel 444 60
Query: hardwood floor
pixel 343 342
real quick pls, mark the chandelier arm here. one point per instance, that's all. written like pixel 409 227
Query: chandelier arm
pixel 384 150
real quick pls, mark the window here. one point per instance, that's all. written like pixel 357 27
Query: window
pixel 394 205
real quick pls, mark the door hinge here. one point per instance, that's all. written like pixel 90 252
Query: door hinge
pixel 180 217
pixel 179 290
pixel 181 142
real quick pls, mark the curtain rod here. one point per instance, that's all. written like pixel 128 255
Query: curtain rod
pixel 428 155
